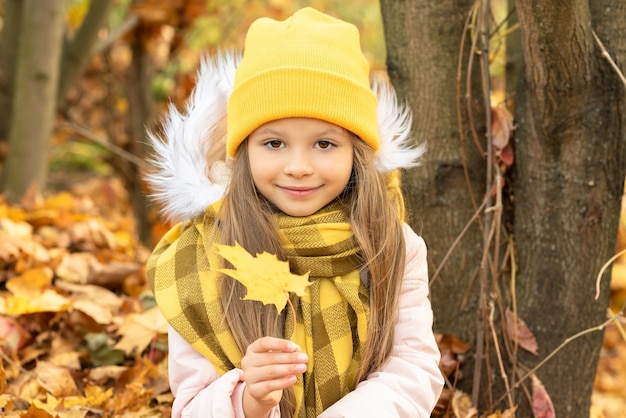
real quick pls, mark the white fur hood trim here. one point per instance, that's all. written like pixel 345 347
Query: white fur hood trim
pixel 187 175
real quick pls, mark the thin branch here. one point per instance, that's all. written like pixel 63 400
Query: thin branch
pixel 604 267
pixel 106 144
pixel 559 348
pixel 499 356
pixel 468 84
pixel 488 231
pixel 129 24
pixel 620 328
pixel 457 240
pixel 606 55
pixel 566 342
pixel 15 364
pixel 459 116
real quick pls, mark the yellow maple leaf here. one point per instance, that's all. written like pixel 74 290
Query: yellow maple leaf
pixel 266 278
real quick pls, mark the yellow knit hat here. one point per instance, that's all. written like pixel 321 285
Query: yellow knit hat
pixel 309 65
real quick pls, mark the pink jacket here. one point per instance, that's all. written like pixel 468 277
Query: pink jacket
pixel 408 386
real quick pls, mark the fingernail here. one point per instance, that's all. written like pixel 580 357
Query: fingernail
pixel 302 357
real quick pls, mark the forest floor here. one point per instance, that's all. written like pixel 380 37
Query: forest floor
pixel 79 330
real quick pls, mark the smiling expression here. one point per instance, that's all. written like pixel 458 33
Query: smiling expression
pixel 300 164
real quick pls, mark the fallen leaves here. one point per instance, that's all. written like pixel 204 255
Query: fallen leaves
pixel 79 334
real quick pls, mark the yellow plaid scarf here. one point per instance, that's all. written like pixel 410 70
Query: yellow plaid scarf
pixel 331 320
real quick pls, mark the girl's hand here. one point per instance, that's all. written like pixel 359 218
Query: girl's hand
pixel 269 366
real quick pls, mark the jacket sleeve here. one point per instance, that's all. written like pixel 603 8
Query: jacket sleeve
pixel 410 383
pixel 199 392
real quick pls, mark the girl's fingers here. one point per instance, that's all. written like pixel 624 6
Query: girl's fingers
pixel 265 387
pixel 266 344
pixel 274 371
pixel 276 358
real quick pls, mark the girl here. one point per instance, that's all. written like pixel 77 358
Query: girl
pixel 310 175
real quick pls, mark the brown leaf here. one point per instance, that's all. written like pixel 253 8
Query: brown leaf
pixel 63 354
pixel 451 348
pixel 452 343
pixel 139 330
pixel 91 235
pixel 542 404
pixel 517 330
pixel 462 405
pixel 97 302
pixel 501 126
pixel 104 373
pixel 56 380
pixel 85 268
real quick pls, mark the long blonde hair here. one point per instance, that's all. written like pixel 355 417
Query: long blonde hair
pixel 247 217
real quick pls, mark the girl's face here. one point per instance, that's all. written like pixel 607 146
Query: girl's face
pixel 300 164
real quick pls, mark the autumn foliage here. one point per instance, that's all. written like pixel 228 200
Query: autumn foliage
pixel 79 331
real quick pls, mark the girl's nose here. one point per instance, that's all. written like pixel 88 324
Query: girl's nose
pixel 298 164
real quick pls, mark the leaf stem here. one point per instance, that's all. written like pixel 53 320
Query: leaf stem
pixel 293 312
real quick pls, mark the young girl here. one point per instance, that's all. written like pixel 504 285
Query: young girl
pixel 309 175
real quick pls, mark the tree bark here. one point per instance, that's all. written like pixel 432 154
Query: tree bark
pixel 34 103
pixel 568 184
pixel 513 53
pixel 423 41
pixel 9 44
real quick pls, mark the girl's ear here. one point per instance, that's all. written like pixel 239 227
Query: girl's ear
pixel 191 170
pixel 397 147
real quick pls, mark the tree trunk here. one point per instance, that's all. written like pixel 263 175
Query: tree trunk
pixel 423 41
pixel 514 58
pixel 9 44
pixel 140 112
pixel 568 186
pixel 77 52
pixel 34 104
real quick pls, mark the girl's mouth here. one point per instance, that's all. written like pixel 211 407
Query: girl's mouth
pixel 297 191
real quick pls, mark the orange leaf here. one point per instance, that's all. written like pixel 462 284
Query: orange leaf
pixel 267 279
pixel 517 330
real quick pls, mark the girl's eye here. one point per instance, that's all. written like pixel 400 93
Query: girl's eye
pixel 324 144
pixel 274 144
